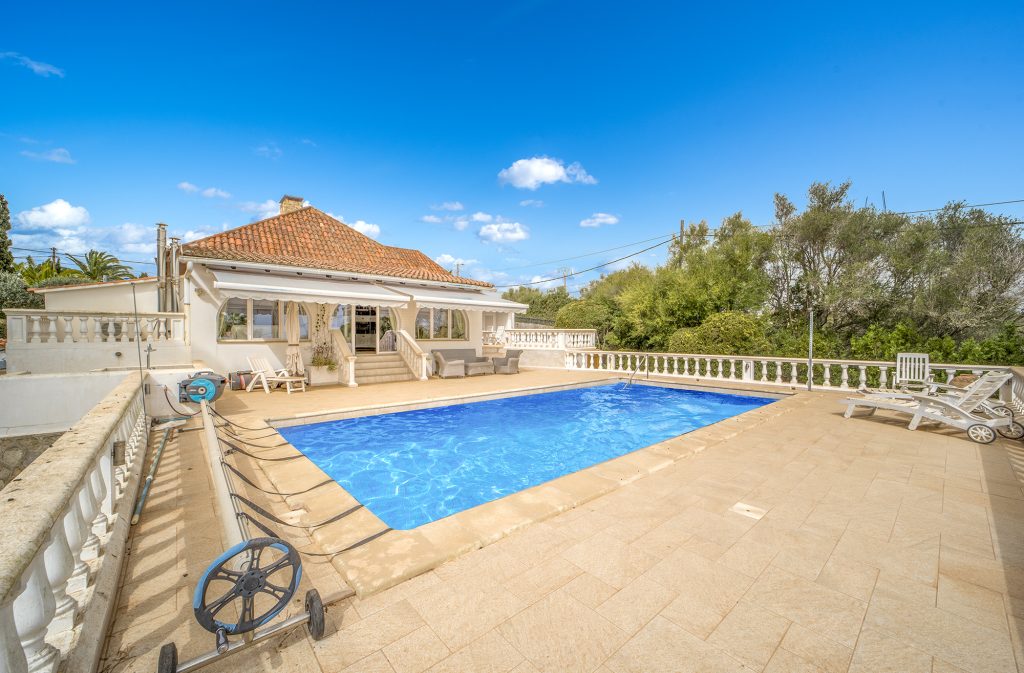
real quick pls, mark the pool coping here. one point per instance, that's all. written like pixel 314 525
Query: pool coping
pixel 399 555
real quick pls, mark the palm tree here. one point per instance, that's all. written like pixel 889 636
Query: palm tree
pixel 33 273
pixel 100 266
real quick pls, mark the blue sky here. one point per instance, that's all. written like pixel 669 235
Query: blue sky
pixel 623 116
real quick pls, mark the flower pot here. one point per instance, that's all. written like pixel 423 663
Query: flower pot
pixel 322 376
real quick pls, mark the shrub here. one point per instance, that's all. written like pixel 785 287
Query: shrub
pixel 585 314
pixel 726 333
pixel 14 294
pixel 62 281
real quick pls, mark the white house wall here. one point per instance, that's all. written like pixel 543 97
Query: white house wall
pixel 115 298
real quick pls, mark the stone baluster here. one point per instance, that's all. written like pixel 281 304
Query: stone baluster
pixel 863 376
pixel 950 375
pixel 89 506
pixel 60 564
pixel 69 328
pixel 883 377
pixel 100 521
pixel 75 530
pixel 109 328
pixel 793 374
pixel 778 372
pixel 844 380
pixel 12 656
pixel 826 375
pixel 34 330
pixel 97 328
pixel 33 609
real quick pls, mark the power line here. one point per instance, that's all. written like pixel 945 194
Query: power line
pixel 69 255
pixel 588 254
pixel 974 205
pixel 576 273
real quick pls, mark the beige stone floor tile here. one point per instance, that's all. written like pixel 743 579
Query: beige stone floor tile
pixel 943 635
pixel 748 556
pixel 591 591
pixel 375 663
pixel 635 604
pixel 853 578
pixel 542 579
pixel 809 604
pixel 920 564
pixel 461 611
pixel 490 653
pixel 971 601
pixel 366 636
pixel 750 634
pixel 877 652
pixel 527 667
pixel 784 661
pixel 706 590
pixel 558 634
pixel 664 647
pixel 383 599
pixel 991 574
pixel 416 651
pixel 609 559
pixel 939 666
pixel 819 650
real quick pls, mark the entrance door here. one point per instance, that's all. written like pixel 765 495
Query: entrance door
pixel 365 333
pixel 387 326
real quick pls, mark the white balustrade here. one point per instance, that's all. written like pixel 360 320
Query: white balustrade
pixel 792 372
pixel 55 521
pixel 418 362
pixel 41 326
pixel 546 339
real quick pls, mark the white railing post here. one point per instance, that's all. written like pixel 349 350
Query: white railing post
pixel 12 656
pixel 33 609
pixel 60 564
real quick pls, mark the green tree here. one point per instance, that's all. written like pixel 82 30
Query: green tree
pixel 586 314
pixel 14 294
pixel 727 333
pixel 101 266
pixel 7 264
pixel 543 303
pixel 33 274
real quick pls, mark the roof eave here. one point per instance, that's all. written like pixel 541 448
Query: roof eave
pixel 338 272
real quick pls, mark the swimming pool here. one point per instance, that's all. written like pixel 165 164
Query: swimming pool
pixel 414 467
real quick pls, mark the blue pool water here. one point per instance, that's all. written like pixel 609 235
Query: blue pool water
pixel 413 467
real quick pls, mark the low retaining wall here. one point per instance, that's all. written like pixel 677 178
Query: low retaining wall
pixel 17 452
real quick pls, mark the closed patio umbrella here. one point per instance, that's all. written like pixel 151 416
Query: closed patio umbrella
pixel 293 360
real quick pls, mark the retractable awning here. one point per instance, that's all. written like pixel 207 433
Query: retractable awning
pixel 301 288
pixel 464 300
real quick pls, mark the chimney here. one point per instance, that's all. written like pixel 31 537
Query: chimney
pixel 161 265
pixel 289 204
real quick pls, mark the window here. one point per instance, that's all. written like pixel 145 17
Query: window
pixel 342 320
pixel 257 320
pixel 440 323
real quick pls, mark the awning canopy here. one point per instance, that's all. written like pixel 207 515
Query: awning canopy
pixel 301 288
pixel 464 300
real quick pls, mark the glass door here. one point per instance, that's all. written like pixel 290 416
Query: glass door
pixel 387 326
pixel 365 332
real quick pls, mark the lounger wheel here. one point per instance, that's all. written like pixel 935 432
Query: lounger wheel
pixel 168 661
pixel 315 610
pixel 981 433
pixel 1003 411
pixel 1013 431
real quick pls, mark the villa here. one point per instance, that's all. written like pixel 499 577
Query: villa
pixel 597 511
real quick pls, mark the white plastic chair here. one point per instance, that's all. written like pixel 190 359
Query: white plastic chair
pixel 266 375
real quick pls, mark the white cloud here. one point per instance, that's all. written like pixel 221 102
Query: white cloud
pixel 58 214
pixel 187 187
pixel 460 223
pixel 307 141
pixel 57 155
pixel 260 211
pixel 534 203
pixel 482 217
pixel 211 192
pixel 448 261
pixel 537 171
pixel 449 205
pixel 504 232
pixel 431 219
pixel 599 219
pixel 268 151
pixel 366 228
pixel 38 67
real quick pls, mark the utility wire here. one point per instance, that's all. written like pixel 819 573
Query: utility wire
pixel 589 254
pixel 576 273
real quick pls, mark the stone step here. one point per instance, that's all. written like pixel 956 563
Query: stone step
pixel 388 378
pixel 379 364
pixel 382 371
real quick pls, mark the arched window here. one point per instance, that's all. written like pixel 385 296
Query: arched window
pixel 257 320
pixel 441 323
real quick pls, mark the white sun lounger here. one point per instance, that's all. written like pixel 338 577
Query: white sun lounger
pixel 264 374
pixel 912 372
pixel 957 410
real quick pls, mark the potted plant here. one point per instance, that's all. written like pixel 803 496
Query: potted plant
pixel 323 366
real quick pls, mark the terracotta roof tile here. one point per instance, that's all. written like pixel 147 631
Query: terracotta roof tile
pixel 312 239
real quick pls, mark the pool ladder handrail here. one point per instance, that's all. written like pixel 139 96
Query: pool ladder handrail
pixel 635 371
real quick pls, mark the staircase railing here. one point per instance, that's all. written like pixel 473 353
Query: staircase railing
pixel 413 356
pixel 346 360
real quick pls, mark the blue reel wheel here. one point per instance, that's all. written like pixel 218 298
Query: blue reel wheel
pixel 264 569
pixel 201 389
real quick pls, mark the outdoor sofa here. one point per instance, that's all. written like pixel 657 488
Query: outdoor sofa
pixel 508 364
pixel 456 362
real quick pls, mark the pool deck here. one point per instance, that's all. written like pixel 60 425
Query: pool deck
pixel 786 539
